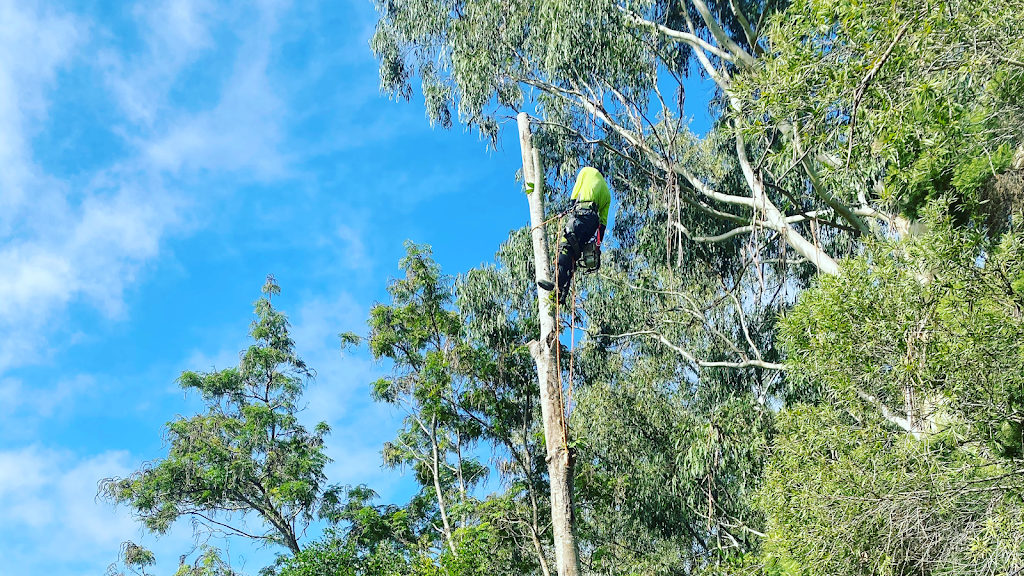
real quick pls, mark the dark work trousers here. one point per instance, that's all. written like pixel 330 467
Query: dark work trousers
pixel 580 227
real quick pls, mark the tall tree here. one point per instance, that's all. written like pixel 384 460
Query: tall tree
pixel 560 457
pixel 833 122
pixel 911 464
pixel 422 337
pixel 460 371
pixel 246 455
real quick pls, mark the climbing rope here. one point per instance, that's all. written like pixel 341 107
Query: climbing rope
pixel 565 397
pixel 572 349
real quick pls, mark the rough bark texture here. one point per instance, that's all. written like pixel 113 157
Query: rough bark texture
pixel 559 457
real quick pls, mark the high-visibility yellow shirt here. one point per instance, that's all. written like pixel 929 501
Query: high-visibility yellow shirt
pixel 591 187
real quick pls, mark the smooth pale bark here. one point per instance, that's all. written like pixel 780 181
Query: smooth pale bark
pixel 559 457
pixel 774 219
pixel 436 465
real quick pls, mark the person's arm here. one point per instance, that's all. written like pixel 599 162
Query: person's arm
pixel 604 203
pixel 602 222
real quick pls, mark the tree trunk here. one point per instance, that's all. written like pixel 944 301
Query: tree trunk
pixel 436 469
pixel 556 435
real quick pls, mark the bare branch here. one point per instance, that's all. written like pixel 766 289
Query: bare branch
pixel 886 413
pixel 748 31
pixel 899 223
pixel 694 41
pixel 721 237
pixel 743 321
pixel 597 109
pixel 720 35
pixel 746 363
pixel 842 209
pixel 774 219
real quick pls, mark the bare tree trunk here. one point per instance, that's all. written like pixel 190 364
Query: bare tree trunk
pixel 535 536
pixel 559 457
pixel 436 469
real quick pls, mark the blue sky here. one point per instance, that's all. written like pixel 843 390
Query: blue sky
pixel 157 160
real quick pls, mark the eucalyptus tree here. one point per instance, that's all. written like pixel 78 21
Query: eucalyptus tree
pixel 830 118
pixel 834 123
pixel 809 91
pixel 246 456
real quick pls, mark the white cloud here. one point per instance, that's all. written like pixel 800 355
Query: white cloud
pixel 62 243
pixel 176 34
pixel 243 131
pixel 89 253
pixel 34 43
pixel 52 522
pixel 48 499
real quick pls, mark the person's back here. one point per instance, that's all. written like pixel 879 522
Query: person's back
pixel 591 187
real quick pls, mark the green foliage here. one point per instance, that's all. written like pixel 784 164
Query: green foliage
pixel 663 485
pixel 246 454
pixel 920 100
pixel 850 498
pixel 209 562
pixel 462 372
pixel 913 461
pixel 935 319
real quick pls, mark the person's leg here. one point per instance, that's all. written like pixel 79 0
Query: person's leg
pixel 580 230
pixel 566 267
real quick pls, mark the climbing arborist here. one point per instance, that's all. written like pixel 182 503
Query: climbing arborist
pixel 584 228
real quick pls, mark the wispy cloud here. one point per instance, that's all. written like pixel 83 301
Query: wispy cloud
pixel 50 515
pixel 244 130
pixel 24 408
pixel 51 493
pixel 62 243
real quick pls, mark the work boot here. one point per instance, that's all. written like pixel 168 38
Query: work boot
pixel 546 284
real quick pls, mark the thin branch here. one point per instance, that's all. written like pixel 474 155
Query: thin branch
pixel 859 92
pixel 598 111
pixel 721 237
pixel 748 31
pixel 774 219
pixel 743 321
pixel 233 530
pixel 842 209
pixel 746 363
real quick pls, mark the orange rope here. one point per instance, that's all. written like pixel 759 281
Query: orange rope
pixel 558 354
pixel 572 348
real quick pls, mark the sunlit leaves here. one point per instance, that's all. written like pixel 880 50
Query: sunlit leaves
pixel 247 454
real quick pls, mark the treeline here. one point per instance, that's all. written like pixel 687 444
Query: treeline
pixel 803 353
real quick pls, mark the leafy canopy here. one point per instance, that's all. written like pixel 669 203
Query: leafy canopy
pixel 247 454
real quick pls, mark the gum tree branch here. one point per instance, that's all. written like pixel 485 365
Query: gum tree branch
pixel 694 41
pixel 720 35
